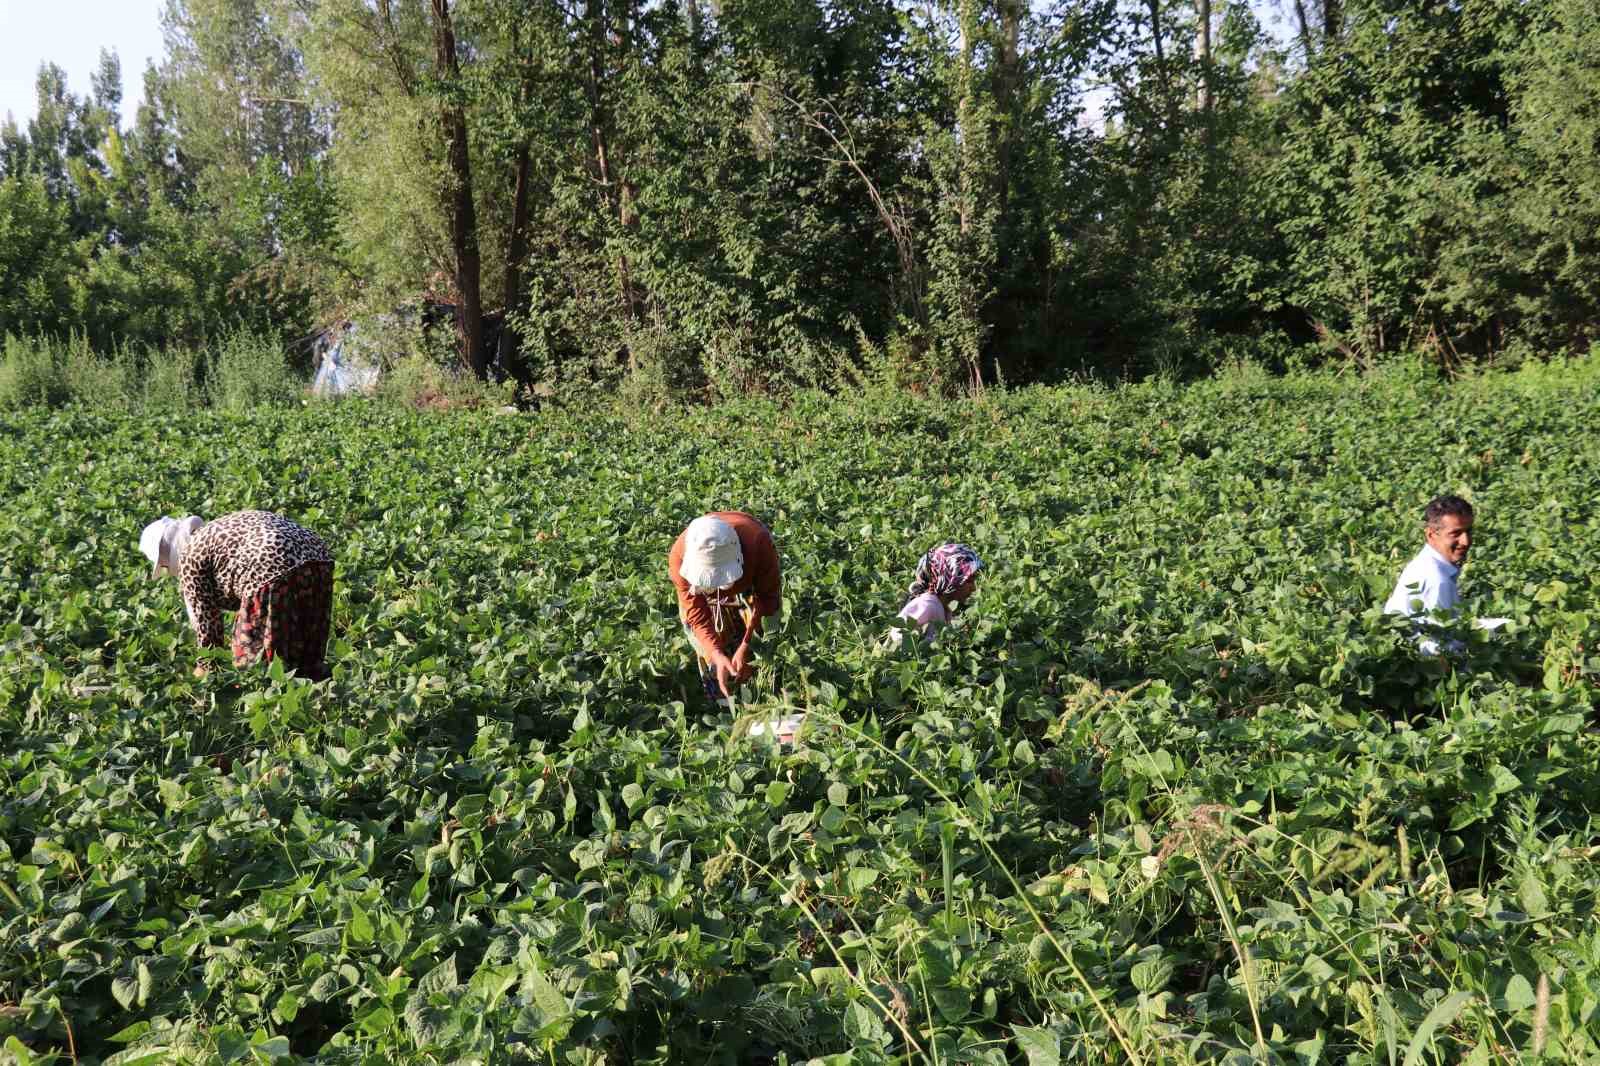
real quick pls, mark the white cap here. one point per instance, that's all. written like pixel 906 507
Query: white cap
pixel 712 557
pixel 163 540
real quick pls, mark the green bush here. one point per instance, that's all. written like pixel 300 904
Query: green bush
pixel 250 370
pixel 420 382
pixel 103 382
pixel 246 370
pixel 46 372
pixel 29 376
pixel 169 381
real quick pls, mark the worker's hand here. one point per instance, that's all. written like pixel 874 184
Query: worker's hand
pixel 202 668
pixel 742 668
pixel 727 674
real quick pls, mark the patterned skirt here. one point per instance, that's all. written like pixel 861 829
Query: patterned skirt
pixel 288 619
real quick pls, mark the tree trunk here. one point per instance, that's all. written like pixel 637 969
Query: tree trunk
pixel 1202 52
pixel 517 241
pixel 1170 104
pixel 967 23
pixel 1332 20
pixel 1303 25
pixel 516 252
pixel 611 190
pixel 463 216
pixel 1006 84
pixel 1330 13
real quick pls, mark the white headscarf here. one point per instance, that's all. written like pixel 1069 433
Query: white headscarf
pixel 712 556
pixel 713 559
pixel 164 540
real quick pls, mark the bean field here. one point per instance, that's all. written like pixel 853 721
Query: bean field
pixel 1171 790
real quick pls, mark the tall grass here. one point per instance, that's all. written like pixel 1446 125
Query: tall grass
pixel 242 371
pixel 171 380
pixel 250 370
pixel 427 384
pixel 30 374
pixel 103 382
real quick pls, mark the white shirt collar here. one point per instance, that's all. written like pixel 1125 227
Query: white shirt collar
pixel 1430 550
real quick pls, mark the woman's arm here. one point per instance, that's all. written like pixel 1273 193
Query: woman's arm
pixel 203 598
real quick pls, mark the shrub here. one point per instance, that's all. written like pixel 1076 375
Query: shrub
pixel 420 382
pixel 250 370
pixel 95 380
pixel 169 380
pixel 29 375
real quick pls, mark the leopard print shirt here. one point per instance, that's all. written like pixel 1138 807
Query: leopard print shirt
pixel 231 557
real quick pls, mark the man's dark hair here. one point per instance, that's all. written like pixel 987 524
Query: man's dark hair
pixel 1440 506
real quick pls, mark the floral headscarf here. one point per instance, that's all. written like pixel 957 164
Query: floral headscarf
pixel 945 569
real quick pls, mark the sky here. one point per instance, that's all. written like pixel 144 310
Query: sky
pixel 70 34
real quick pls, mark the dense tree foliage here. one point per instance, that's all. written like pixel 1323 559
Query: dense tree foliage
pixel 758 193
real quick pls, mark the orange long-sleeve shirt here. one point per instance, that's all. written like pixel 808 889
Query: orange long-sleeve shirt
pixel 762 579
